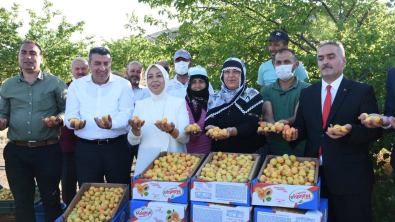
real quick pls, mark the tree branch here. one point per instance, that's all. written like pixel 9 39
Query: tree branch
pixel 329 11
pixel 349 11
pixel 301 36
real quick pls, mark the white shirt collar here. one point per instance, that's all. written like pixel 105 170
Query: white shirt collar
pixel 335 84
pixel 111 79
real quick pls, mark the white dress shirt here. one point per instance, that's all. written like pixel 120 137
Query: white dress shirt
pixel 334 87
pixel 140 93
pixel 87 100
pixel 177 89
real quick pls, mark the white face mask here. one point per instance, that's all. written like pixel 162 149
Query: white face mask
pixel 284 72
pixel 181 67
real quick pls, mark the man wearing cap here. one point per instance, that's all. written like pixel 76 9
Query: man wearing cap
pixel 267 73
pixel 178 86
pixel 281 101
pixel 102 101
pixel 133 72
pixel 79 68
pixel 33 152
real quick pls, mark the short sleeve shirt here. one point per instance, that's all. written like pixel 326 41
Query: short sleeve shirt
pixel 267 74
pixel 283 104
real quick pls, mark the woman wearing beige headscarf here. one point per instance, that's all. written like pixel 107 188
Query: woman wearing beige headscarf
pixel 155 136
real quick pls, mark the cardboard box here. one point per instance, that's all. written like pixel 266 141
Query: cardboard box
pixel 223 192
pixel 167 191
pixel 122 202
pixel 268 214
pixel 208 212
pixel 154 211
pixel 123 215
pixel 290 196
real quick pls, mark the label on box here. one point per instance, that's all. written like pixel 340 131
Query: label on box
pixel 215 213
pixel 287 217
pixel 160 191
pixel 281 195
pixel 220 192
pixel 157 211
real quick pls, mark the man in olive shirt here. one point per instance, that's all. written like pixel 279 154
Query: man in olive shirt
pixel 33 152
pixel 281 101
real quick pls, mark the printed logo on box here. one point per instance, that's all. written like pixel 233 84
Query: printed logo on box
pixel 301 196
pixel 142 213
pixel 173 191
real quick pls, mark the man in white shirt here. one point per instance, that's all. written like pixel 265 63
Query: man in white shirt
pixel 178 86
pixel 101 148
pixel 134 71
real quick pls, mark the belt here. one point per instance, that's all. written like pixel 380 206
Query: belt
pixel 103 141
pixel 32 143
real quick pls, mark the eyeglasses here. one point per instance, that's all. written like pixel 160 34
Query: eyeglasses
pixel 166 68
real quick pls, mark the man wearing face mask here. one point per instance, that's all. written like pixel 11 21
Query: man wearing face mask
pixel 178 86
pixel 281 101
pixel 266 73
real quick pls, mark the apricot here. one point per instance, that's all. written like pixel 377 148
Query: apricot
pixel 337 128
pixel 376 119
pixel 363 114
pixel 164 120
pixel 344 129
pixel 102 119
pixel 263 124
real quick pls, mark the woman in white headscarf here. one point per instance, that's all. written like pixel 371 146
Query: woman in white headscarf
pixel 154 135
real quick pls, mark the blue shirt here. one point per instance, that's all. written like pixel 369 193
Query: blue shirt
pixel 140 94
pixel 267 74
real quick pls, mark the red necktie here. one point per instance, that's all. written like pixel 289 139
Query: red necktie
pixel 326 110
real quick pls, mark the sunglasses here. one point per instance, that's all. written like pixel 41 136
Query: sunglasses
pixel 166 68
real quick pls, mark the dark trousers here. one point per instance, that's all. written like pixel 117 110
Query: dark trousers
pixel 69 177
pixel 346 208
pixel 23 164
pixel 133 151
pixel 94 162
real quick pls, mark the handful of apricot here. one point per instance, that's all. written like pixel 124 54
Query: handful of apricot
pixel 369 119
pixel 217 131
pixel 337 128
pixel 51 119
pixel 164 121
pixel 277 126
pixel 193 128
pixel 136 119
pixel 102 119
pixel 75 121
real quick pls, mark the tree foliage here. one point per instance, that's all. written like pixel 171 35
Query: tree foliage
pixel 212 31
pixel 58 49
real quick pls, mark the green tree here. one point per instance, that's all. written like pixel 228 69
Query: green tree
pixel 215 30
pixel 58 49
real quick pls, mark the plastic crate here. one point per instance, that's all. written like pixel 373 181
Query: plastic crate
pixel 8 206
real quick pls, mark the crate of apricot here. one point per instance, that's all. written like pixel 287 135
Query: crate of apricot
pixel 167 178
pixel 225 178
pixel 287 181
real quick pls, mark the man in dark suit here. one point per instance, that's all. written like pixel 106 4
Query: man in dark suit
pixel 387 122
pixel 346 169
